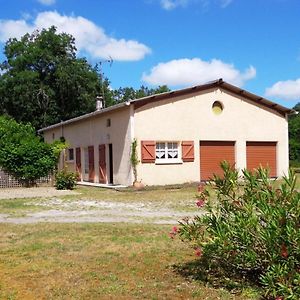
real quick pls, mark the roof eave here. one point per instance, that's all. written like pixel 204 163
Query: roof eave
pixel 212 84
pixel 86 116
pixel 255 98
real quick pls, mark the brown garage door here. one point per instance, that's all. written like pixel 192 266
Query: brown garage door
pixel 262 154
pixel 211 154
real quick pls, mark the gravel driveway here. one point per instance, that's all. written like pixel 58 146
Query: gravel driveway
pixel 51 208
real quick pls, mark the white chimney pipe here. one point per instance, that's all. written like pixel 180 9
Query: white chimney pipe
pixel 99 103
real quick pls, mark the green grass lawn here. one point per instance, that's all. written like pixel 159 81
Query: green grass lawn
pixel 99 261
pixel 105 261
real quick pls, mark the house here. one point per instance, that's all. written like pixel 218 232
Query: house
pixel 182 136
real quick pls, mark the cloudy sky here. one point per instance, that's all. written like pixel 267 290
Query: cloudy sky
pixel 254 44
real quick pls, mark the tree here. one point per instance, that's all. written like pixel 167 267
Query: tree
pixel 129 93
pixel 294 136
pixel 43 82
pixel 23 154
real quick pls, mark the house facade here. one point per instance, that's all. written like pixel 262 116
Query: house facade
pixel 181 135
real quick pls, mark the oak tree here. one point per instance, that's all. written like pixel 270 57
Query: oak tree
pixel 43 82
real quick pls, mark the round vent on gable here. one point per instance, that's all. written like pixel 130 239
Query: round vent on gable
pixel 217 107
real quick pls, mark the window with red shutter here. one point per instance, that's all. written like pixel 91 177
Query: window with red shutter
pixel 187 148
pixel 148 151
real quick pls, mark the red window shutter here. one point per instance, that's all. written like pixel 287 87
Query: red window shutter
pixel 187 148
pixel 148 151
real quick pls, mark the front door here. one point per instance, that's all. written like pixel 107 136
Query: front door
pixel 91 163
pixel 102 164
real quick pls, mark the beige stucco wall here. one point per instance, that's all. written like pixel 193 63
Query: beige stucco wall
pixel 193 119
pixel 93 132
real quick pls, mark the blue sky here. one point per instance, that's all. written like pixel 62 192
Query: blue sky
pixel 254 44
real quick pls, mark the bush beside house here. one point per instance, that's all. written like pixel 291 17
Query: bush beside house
pixel 23 154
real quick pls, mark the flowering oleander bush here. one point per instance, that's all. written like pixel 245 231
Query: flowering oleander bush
pixel 250 226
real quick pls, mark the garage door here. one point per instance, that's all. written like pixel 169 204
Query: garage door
pixel 211 154
pixel 262 154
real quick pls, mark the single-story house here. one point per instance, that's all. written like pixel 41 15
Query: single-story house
pixel 181 136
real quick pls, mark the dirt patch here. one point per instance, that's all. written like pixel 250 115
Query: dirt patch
pixel 87 211
pixel 97 211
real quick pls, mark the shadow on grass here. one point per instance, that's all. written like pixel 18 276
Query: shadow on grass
pixel 217 275
pixel 146 188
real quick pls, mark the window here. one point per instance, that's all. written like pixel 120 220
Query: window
pixel 217 108
pixel 167 152
pixel 108 122
pixel 70 154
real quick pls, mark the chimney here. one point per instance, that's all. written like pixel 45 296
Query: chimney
pixel 99 103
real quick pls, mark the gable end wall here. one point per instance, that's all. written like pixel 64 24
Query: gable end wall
pixel 192 119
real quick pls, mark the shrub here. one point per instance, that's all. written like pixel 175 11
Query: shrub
pixel 252 228
pixel 65 180
pixel 23 154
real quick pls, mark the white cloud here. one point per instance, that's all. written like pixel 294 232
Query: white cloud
pixel 186 72
pixel 11 28
pixel 90 38
pixel 287 90
pixel 47 2
pixel 172 4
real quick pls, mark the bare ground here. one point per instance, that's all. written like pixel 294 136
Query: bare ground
pixel 49 207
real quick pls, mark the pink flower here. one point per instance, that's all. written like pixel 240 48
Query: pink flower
pixel 173 232
pixel 198 252
pixel 279 298
pixel 200 202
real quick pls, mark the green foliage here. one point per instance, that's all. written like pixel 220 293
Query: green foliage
pixel 22 153
pixel 129 93
pixel 134 158
pixel 65 180
pixel 58 146
pixel 43 82
pixel 252 228
pixel 294 136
